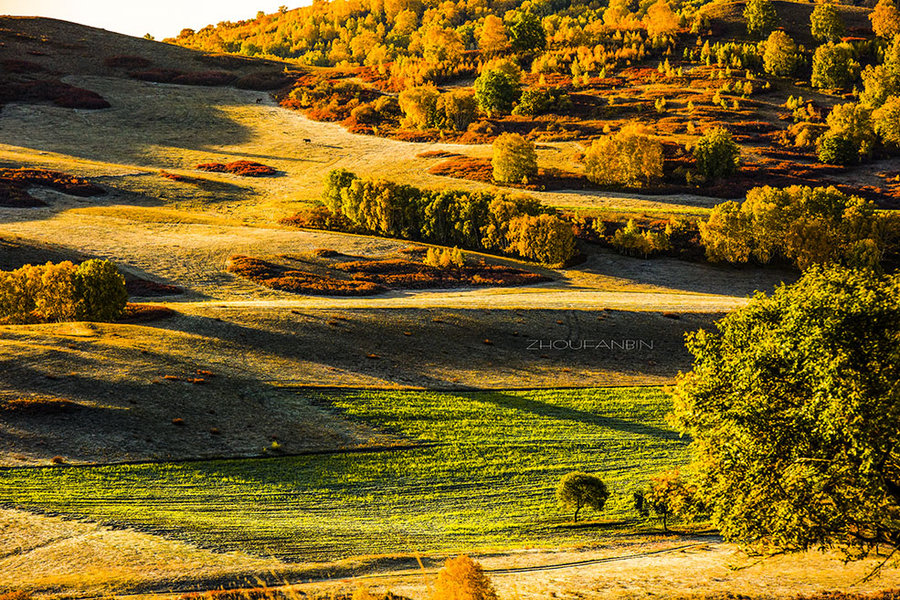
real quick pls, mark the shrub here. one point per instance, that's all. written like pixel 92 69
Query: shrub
pixel 244 168
pixel 834 66
pixel 761 17
pixel 628 158
pixel 780 57
pixel 826 23
pixel 578 490
pixel 514 159
pixel 885 19
pixel 462 578
pixel 836 149
pixel 496 91
pixel 533 102
pixel 717 154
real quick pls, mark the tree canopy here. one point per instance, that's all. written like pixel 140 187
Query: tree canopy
pixel 577 490
pixel 793 405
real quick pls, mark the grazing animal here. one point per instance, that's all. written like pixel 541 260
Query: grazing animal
pixel 307 140
pixel 259 100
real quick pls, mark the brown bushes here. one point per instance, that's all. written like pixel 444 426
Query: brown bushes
pixel 15 182
pixel 143 313
pixel 156 75
pixel 206 78
pixel 244 168
pixel 262 82
pixel 12 65
pixel 50 90
pixel 146 288
pixel 281 278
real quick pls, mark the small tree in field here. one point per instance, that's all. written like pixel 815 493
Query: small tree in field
pixel 496 91
pixel 825 23
pixel 577 490
pixel 514 159
pixel 627 158
pixel 717 154
pixel 462 578
pixel 100 291
pixel 760 17
pixel 780 57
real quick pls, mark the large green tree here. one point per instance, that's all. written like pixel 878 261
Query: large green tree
pixel 761 17
pixel 793 405
pixel 577 490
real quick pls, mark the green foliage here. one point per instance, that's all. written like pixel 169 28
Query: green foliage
pixel 462 486
pixel 882 81
pixel 496 91
pixel 780 57
pixel 629 158
pixel 578 490
pixel 526 34
pixel 804 225
pixel 476 220
pixel 533 102
pixel 513 159
pixel 834 66
pixel 793 407
pixel 99 291
pixel 717 154
pixel 850 136
pixel 761 17
pixel 632 241
pixel 826 23
pixel 887 123
pixel 91 291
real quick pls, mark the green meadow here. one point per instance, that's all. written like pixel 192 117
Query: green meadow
pixel 483 476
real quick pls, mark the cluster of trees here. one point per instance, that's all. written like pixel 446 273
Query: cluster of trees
pixel 425 107
pixel 631 240
pixel 803 225
pixel 668 494
pixel 792 406
pixel 91 291
pixel 630 158
pixel 444 258
pixel 473 220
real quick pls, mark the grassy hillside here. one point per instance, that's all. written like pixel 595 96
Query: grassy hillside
pixel 482 476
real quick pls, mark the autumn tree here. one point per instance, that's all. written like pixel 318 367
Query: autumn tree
pixel 493 38
pixel 630 157
pixel 668 495
pixel 850 136
pixel 542 238
pixel 796 445
pixel 885 18
pixel 887 123
pixel 577 490
pixel 514 159
pixel 717 154
pixel 456 109
pixel 760 17
pixel 99 291
pixel 883 80
pixel 825 23
pixel 834 66
pixel 780 57
pixel 661 20
pixel 419 106
pixel 462 578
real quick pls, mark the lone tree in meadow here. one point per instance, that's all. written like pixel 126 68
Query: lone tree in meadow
pixel 514 159
pixel 577 490
pixel 792 406
pixel 496 91
pixel 760 17
pixel 717 154
pixel 780 57
pixel 630 157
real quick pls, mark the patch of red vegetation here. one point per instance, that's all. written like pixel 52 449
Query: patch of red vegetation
pixel 49 90
pixel 146 288
pixel 129 63
pixel 244 168
pixel 282 278
pixel 438 154
pixel 143 313
pixel 398 273
pixel 62 182
pixel 480 169
pixel 206 78
pixel 177 177
pixel 156 75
